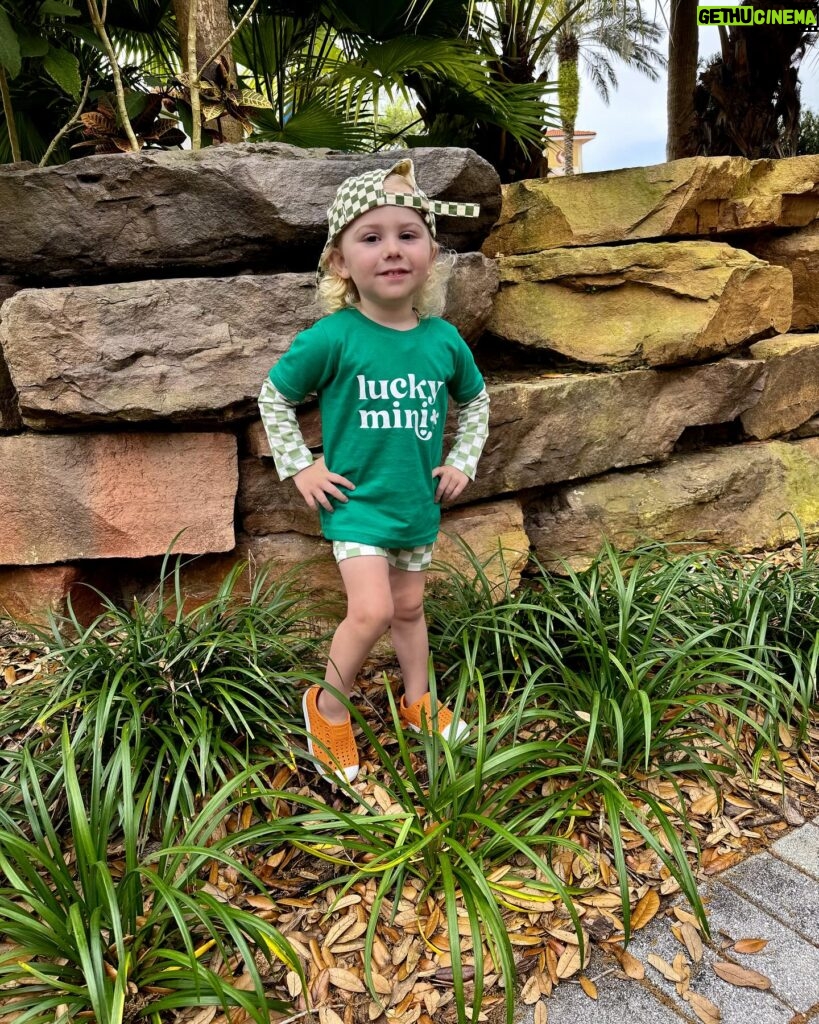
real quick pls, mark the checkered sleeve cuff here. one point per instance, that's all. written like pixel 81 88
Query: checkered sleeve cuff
pixel 290 453
pixel 471 435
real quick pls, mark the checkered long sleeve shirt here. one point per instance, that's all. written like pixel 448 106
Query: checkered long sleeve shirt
pixel 291 454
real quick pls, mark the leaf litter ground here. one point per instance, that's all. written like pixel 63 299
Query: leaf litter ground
pixel 412 968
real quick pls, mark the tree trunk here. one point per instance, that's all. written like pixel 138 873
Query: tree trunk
pixel 11 124
pixel 213 26
pixel 682 79
pixel 568 93
pixel 747 100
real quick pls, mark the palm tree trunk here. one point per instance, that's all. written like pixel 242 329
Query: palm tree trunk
pixel 682 79
pixel 8 110
pixel 213 26
pixel 568 94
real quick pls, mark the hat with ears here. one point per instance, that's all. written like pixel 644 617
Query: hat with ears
pixel 366 191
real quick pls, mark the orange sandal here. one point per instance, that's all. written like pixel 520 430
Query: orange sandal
pixel 332 745
pixel 418 716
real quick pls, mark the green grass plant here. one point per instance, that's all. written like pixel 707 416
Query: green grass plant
pixel 101 926
pixel 220 680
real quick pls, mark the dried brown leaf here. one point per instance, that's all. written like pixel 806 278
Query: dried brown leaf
pixel 569 963
pixel 741 976
pixel 381 984
pixel 684 916
pixel 750 945
pixel 588 986
pixel 530 993
pixel 632 967
pixel 667 971
pixel 707 1012
pixel 541 1013
pixel 346 980
pixel 645 910
pixel 693 942
pixel 705 804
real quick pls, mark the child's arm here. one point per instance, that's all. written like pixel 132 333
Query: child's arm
pixel 291 455
pixel 470 437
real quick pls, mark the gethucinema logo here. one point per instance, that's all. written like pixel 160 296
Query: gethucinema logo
pixel 745 14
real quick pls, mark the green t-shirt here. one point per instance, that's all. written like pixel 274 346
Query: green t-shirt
pixel 383 400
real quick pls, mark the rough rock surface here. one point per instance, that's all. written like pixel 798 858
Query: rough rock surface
pixel 193 349
pixel 29 593
pixel 68 497
pixel 698 196
pixel 8 286
pixel 267 505
pixel 725 497
pixel 222 206
pixel 495 533
pixel 471 292
pixel 798 251
pixel 10 420
pixel 651 303
pixel 790 396
pixel 309 418
pixel 558 427
pixel 809 429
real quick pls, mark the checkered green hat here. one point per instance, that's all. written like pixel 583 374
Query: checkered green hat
pixel 365 191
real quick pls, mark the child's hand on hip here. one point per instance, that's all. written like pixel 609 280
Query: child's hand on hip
pixel 316 481
pixel 451 484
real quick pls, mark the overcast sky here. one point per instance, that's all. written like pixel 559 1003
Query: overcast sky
pixel 631 131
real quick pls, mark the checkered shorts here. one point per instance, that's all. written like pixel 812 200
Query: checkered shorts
pixel 409 559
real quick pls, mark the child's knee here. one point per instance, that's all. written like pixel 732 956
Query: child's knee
pixel 374 616
pixel 408 608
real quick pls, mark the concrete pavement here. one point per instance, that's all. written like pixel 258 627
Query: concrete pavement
pixel 772 895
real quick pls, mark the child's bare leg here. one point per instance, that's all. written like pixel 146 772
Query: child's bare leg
pixel 409 630
pixel 369 613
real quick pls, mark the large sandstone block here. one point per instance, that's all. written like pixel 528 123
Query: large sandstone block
pixel 790 396
pixel 728 497
pixel 698 196
pixel 193 349
pixel 655 304
pixel 494 530
pixel 223 206
pixel 798 251
pixel 471 291
pixel 115 495
pixel 564 426
pixel 30 594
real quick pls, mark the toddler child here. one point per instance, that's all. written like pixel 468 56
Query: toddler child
pixel 382 363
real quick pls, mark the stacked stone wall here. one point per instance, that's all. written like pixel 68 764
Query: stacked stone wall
pixel 647 337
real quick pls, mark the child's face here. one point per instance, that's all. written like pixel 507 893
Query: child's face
pixel 387 252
